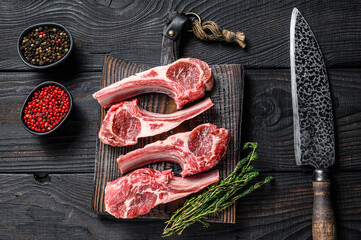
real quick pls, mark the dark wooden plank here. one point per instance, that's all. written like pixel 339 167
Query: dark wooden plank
pixel 227 96
pixel 61 208
pixel 267 119
pixel 132 30
pixel 287 212
pixel 71 148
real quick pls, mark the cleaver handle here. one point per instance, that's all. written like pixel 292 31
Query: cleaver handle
pixel 323 219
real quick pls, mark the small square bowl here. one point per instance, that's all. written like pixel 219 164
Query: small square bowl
pixel 49 24
pixel 44 84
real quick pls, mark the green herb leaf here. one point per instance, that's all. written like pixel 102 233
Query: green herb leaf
pixel 218 196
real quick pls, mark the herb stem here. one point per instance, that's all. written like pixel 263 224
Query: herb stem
pixel 218 196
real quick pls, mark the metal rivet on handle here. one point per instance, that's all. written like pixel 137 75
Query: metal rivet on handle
pixel 171 33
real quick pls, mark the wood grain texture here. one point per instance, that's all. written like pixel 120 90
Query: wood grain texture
pixel 267 120
pixel 71 148
pixel 323 219
pixel 132 30
pixel 227 96
pixel 60 208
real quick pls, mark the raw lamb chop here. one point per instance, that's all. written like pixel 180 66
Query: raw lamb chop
pixel 196 151
pixel 126 122
pixel 138 192
pixel 184 80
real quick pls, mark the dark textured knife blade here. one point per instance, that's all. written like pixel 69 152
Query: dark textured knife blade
pixel 313 121
pixel 314 140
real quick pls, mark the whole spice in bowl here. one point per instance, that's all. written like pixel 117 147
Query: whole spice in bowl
pixel 46 108
pixel 44 45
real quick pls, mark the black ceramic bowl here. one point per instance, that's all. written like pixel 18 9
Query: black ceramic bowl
pixel 29 99
pixel 50 24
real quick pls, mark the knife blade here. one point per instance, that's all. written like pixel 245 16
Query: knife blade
pixel 314 141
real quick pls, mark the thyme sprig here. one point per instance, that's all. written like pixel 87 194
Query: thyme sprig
pixel 218 196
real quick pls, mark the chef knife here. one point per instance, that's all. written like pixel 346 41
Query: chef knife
pixel 314 141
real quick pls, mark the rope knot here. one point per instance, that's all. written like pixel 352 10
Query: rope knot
pixel 209 30
pixel 228 35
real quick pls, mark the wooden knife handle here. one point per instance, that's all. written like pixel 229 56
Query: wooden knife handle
pixel 323 220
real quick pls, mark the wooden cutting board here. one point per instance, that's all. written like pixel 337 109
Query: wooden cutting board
pixel 227 96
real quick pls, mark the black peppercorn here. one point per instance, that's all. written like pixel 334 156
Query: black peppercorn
pixel 45 45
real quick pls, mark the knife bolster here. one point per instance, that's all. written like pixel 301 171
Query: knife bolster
pixel 321 175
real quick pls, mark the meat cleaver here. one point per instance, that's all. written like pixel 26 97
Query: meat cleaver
pixel 314 140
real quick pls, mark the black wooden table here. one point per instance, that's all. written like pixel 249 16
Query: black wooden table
pixel 47 183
